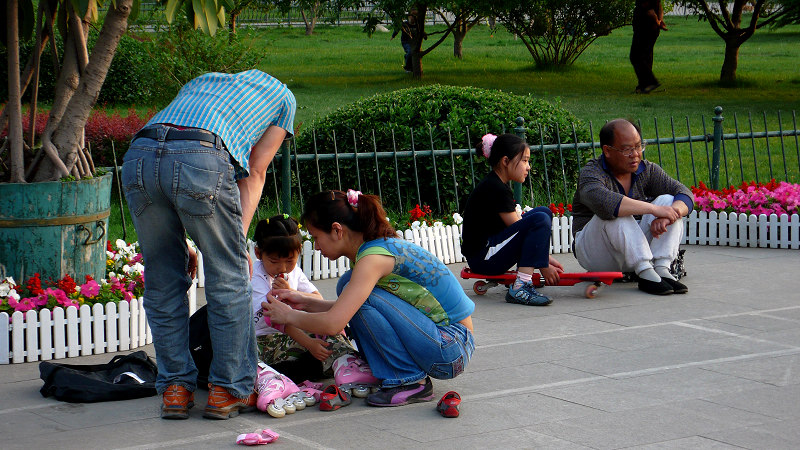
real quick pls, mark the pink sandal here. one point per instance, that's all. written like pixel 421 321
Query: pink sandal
pixel 265 436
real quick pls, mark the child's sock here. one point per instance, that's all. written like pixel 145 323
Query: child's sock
pixel 521 279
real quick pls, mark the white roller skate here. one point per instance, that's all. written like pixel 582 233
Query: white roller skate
pixel 273 389
pixel 354 376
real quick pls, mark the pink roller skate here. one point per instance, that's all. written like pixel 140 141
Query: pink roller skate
pixel 354 376
pixel 273 388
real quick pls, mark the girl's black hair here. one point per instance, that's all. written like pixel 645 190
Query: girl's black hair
pixel 509 145
pixel 278 235
pixel 369 218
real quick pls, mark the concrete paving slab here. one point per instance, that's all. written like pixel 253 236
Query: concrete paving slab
pixel 718 367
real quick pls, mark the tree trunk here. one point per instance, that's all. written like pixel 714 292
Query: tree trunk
pixel 66 136
pixel 416 43
pixel 233 17
pixel 458 43
pixel 14 96
pixel 728 74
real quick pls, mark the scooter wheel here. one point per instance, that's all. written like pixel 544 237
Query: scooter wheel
pixel 591 291
pixel 480 287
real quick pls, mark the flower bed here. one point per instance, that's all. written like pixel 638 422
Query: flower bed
pixel 48 319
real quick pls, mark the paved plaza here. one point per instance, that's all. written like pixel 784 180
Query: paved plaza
pixel 716 368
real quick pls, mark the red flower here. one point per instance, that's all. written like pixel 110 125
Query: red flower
pixel 66 284
pixel 34 284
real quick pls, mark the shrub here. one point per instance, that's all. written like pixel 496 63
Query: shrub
pixel 438 116
pixel 102 128
pixel 179 53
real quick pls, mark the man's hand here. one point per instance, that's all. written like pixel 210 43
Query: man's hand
pixel 192 266
pixel 667 212
pixel 659 227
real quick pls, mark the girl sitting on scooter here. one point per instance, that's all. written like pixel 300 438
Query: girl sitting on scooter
pixel 496 236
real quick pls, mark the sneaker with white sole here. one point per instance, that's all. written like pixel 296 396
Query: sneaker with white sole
pixel 526 294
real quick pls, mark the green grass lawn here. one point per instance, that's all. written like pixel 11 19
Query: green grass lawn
pixel 336 66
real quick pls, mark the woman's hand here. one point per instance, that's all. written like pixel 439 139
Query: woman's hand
pixel 295 299
pixel 276 310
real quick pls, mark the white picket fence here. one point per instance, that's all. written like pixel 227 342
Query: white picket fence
pixel 702 228
pixel 43 335
pixel 743 230
pixel 63 333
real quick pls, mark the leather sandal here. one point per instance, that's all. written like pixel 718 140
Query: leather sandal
pixel 333 398
pixel 448 405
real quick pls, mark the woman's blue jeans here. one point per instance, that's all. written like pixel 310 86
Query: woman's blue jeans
pixel 402 345
pixel 525 243
pixel 174 187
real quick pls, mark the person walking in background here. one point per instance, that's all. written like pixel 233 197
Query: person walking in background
pixel 407 30
pixel 648 21
pixel 198 167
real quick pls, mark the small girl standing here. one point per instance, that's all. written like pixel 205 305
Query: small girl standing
pixel 496 236
pixel 288 349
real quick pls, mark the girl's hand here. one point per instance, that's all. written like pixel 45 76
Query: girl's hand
pixel 319 349
pixel 280 283
pixel 551 272
pixel 277 311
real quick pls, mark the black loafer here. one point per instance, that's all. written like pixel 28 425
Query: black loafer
pixel 655 288
pixel 677 286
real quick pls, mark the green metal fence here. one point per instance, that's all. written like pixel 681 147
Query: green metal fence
pixel 727 151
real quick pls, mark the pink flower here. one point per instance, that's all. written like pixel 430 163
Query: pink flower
pixel 90 289
pixel 23 305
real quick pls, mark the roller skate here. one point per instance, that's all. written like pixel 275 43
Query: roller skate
pixel 354 376
pixel 273 390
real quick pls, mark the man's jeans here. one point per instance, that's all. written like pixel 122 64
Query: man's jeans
pixel 402 345
pixel 622 244
pixel 179 186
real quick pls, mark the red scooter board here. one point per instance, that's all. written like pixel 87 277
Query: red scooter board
pixel 565 279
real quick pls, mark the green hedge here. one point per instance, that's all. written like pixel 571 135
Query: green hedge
pixel 451 113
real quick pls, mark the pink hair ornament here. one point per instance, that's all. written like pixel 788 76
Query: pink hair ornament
pixel 352 197
pixel 486 144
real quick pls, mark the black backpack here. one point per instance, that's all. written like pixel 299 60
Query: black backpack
pixel 124 377
pixel 200 345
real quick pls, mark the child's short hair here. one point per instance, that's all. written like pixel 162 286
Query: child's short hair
pixel 279 235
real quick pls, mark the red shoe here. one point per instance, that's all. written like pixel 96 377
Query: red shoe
pixel 448 405
pixel 176 402
pixel 222 405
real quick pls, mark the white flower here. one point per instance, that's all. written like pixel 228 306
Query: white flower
pixel 121 244
pixel 13 294
pixel 126 268
pixel 10 281
pixel 112 274
pixel 415 225
pixel 527 208
pixel 4 289
pixel 109 255
pixel 457 218
pixel 438 224
pixel 138 268
pixel 78 288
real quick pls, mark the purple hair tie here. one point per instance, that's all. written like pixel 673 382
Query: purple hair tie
pixel 486 144
pixel 352 197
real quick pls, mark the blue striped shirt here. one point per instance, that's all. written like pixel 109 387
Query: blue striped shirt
pixel 236 107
